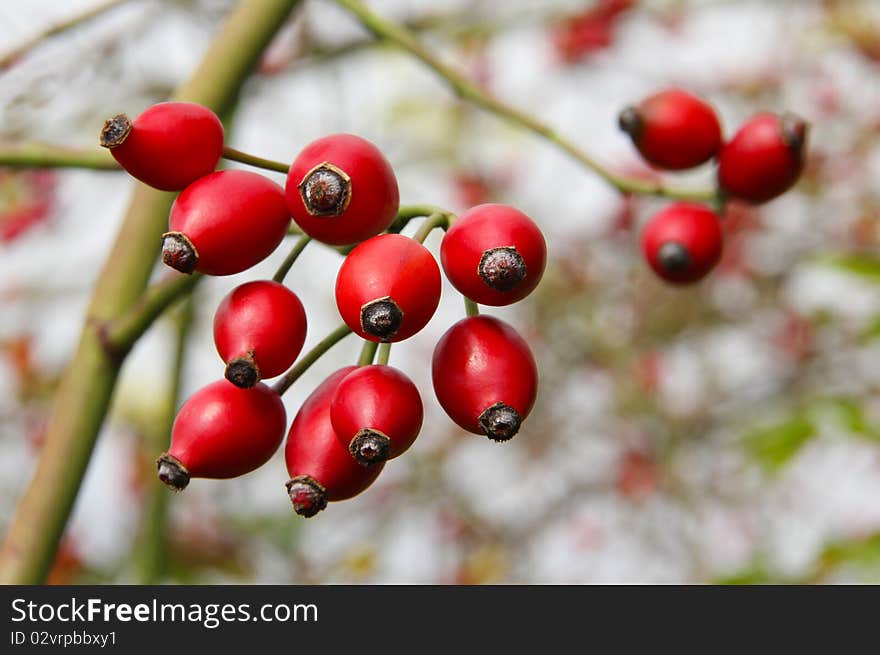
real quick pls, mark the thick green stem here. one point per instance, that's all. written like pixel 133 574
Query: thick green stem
pixel 83 397
pixel 33 154
pixel 368 352
pixel 242 157
pixel 310 358
pixel 384 354
pixel 151 554
pixel 470 307
pixel 292 256
pixel 467 90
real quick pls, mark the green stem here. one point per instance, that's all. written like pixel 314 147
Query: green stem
pixel 384 354
pixel 242 157
pixel 405 214
pixel 151 554
pixel 368 352
pixel 295 252
pixel 441 219
pixel 83 397
pixel 310 358
pixel 467 90
pixel 470 307
pixel 33 154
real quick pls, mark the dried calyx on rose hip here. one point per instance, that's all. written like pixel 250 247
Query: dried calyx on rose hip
pixel 169 146
pixel 376 412
pixel 224 223
pixel 320 467
pixel 485 377
pixel 765 157
pixel 259 330
pixel 683 242
pixel 341 190
pixel 673 129
pixel 222 431
pixel 388 288
pixel 494 254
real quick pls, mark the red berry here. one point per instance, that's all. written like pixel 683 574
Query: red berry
pixel 765 157
pixel 223 432
pixel 342 190
pixel 494 254
pixel 376 412
pixel 485 376
pixel 320 467
pixel 682 242
pixel 224 223
pixel 169 146
pixel 259 329
pixel 673 129
pixel 388 288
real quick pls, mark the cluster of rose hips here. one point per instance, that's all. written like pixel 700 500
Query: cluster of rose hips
pixel 340 190
pixel 675 130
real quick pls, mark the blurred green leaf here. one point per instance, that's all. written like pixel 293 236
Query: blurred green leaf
pixel 863 265
pixel 852 416
pixel 774 445
pixel 863 552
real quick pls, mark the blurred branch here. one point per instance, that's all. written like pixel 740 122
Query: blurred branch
pixel 467 90
pixel 83 398
pixel 74 21
pixel 33 154
pixel 151 554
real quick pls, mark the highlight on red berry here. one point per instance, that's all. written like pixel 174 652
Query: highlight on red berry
pixel 341 190
pixel 224 223
pixel 765 157
pixel 222 431
pixel 259 330
pixel 673 129
pixel 169 146
pixel 377 413
pixel 682 242
pixel 320 467
pixel 494 254
pixel 388 288
pixel 485 377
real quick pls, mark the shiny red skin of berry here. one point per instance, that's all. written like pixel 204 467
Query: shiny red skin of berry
pixel 264 318
pixel 482 228
pixel 758 164
pixel 675 130
pixel 234 219
pixel 382 398
pixel 481 361
pixel 313 448
pixel 223 431
pixel 389 265
pixel 171 145
pixel 374 194
pixel 694 227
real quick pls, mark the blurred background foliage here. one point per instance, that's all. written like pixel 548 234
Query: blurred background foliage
pixel 726 432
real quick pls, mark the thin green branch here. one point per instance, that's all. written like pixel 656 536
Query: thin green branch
pixel 34 154
pixel 470 307
pixel 310 358
pixel 368 352
pixel 440 219
pixel 467 90
pixel 288 262
pixel 259 162
pixel 83 398
pixel 384 354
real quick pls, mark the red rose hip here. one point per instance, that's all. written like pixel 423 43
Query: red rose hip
pixel 388 288
pixel 485 377
pixel 341 190
pixel 682 242
pixel 673 129
pixel 376 412
pixel 765 157
pixel 169 146
pixel 494 254
pixel 259 330
pixel 222 432
pixel 320 467
pixel 224 223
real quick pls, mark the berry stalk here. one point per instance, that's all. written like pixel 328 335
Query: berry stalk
pixel 288 262
pixel 310 358
pixel 257 162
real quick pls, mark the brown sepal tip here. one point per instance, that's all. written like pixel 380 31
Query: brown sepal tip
pixel 172 472
pixel 307 495
pixel 369 446
pixel 179 253
pixel 326 190
pixel 243 371
pixel 500 422
pixel 502 268
pixel 381 318
pixel 115 131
